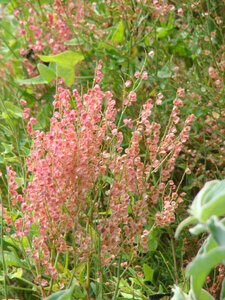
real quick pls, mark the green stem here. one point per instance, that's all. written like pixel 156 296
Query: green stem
pixel 2 250
pixel 88 278
pixel 118 280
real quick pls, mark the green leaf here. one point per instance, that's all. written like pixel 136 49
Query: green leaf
pixel 222 293
pixel 19 181
pixel 17 274
pixel 165 72
pixel 62 295
pixel 8 148
pixel 11 260
pixel 13 110
pixel 188 221
pixel 179 294
pixel 214 201
pixel 118 34
pixel 208 245
pixel 75 42
pixel 6 130
pixel 198 229
pixel 200 267
pixel 67 59
pixel 65 63
pixel 46 73
pixel 204 295
pixel 171 21
pixel 107 179
pixel 217 230
pixel 148 272
pixel 66 73
pixel 35 80
pixel 196 206
pixel 163 32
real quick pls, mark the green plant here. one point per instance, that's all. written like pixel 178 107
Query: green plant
pixel 205 211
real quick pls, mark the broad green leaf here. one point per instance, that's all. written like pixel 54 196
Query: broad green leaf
pixel 65 64
pixel 118 34
pixel 67 59
pixel 13 110
pixel 200 267
pixel 204 295
pixel 214 202
pixel 46 73
pixel 52 66
pixel 196 207
pixel 208 245
pixel 66 73
pixel 163 32
pixel 148 272
pixel 62 295
pixel 217 230
pixel 35 80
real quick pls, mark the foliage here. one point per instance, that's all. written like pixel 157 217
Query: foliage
pixel 207 206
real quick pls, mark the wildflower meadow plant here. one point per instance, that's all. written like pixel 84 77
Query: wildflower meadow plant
pixel 90 195
pixel 98 164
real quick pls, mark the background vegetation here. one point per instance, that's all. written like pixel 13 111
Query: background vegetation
pixel 112 120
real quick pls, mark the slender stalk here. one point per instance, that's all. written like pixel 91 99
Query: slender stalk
pixel 2 250
pixel 118 280
pixel 174 258
pixel 88 278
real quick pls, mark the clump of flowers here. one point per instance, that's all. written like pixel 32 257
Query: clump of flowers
pixel 87 184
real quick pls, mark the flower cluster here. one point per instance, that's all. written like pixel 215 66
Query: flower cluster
pixel 84 181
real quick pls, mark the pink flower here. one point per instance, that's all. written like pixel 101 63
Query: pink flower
pixel 23 102
pixel 127 83
pixel 151 53
pixel 145 75
pixel 180 11
pixel 180 92
pixel 16 12
pixel 128 122
pixel 132 96
pixel 137 74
